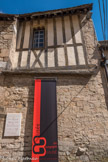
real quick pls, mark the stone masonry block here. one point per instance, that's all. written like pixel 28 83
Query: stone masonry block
pixel 4 53
pixel 2 64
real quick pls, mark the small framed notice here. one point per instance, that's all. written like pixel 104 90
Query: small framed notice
pixel 13 124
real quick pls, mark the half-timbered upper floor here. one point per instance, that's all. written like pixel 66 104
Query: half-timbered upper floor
pixel 51 40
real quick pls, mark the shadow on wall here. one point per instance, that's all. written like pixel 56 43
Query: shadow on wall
pixel 6 32
pixel 18 97
pixel 68 81
pixel 59 57
pixel 17 93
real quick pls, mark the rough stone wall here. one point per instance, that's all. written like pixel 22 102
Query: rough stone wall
pixel 82 117
pixel 106 53
pixel 6 33
pixel 90 40
pixel 83 128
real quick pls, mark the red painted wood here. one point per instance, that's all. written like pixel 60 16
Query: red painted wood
pixel 36 120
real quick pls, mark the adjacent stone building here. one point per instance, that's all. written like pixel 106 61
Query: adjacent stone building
pixel 66 49
pixel 103 47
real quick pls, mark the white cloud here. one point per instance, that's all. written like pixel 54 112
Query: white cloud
pixel 1 11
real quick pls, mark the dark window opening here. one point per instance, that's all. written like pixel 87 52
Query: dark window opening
pixel 38 38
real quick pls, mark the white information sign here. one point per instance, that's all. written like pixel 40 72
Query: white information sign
pixel 13 124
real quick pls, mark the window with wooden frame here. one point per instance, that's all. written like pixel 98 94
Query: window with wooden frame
pixel 38 38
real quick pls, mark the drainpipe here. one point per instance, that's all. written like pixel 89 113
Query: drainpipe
pixel 104 62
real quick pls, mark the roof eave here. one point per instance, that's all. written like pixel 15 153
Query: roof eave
pixel 83 9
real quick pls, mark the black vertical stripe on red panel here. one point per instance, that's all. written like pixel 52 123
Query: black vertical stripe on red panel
pixel 48 120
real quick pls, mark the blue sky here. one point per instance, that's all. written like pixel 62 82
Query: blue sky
pixel 27 6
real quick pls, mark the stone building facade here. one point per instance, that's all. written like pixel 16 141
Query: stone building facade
pixel 104 45
pixel 70 54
